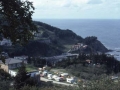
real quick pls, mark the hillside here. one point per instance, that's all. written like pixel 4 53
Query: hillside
pixel 65 39
pixel 50 41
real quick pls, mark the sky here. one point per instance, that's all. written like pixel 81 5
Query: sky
pixel 76 9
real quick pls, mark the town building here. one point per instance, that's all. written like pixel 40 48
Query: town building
pixel 10 63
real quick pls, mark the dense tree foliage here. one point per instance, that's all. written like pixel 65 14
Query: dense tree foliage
pixel 89 40
pixel 4 75
pixel 4 85
pixel 5 80
pixel 37 48
pixel 21 78
pixel 15 20
pixel 37 61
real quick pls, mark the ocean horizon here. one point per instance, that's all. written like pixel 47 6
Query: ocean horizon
pixel 106 30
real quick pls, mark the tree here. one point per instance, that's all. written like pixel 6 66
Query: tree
pixel 16 20
pixel 29 60
pixel 21 78
pixel 5 80
pixel 4 85
pixel 4 75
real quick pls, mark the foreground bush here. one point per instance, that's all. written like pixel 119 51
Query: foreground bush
pixel 103 84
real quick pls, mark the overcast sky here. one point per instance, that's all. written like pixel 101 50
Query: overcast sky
pixel 76 9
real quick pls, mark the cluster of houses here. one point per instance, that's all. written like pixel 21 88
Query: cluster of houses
pixel 11 64
pixel 59 76
pixel 78 46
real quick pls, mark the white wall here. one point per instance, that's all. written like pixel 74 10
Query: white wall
pixel 12 73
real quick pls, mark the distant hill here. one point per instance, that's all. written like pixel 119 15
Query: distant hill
pixel 50 41
pixel 54 33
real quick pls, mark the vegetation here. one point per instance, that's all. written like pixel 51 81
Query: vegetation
pixel 22 78
pixel 36 61
pixel 5 80
pixel 4 85
pixel 56 33
pixel 50 41
pixel 28 67
pixel 90 66
pixel 4 75
pixel 103 84
pixel 89 40
pixel 16 22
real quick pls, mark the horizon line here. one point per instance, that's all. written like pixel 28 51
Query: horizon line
pixel 80 18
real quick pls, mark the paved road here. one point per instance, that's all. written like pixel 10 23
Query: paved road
pixel 62 83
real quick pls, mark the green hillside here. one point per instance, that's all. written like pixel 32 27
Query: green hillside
pixel 50 41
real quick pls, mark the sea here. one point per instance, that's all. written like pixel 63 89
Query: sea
pixel 106 30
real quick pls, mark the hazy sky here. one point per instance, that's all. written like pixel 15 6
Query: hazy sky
pixel 76 9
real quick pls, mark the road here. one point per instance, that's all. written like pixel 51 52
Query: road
pixel 55 82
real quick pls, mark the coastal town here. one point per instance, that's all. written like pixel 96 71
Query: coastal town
pixel 12 64
pixel 65 45
pixel 47 72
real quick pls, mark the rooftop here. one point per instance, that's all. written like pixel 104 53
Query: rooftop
pixel 11 61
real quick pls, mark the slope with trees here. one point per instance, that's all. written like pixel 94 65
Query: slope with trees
pixel 90 66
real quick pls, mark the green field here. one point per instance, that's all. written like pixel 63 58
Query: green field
pixel 29 68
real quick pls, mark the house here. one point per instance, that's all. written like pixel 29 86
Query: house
pixel 10 63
